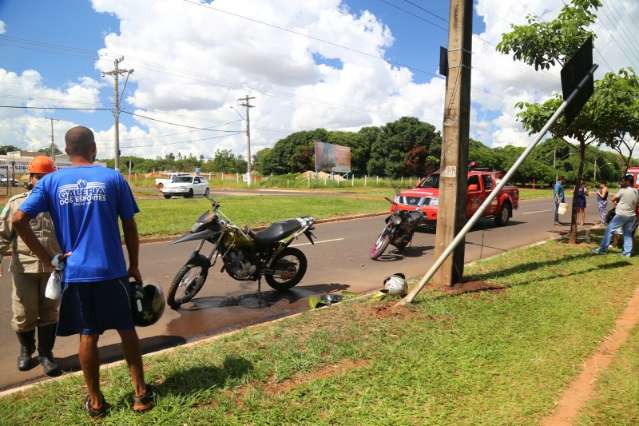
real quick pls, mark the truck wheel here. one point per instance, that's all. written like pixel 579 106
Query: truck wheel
pixel 167 196
pixel 503 217
pixel 207 192
pixel 190 194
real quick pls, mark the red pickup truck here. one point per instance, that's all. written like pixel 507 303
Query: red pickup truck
pixel 425 196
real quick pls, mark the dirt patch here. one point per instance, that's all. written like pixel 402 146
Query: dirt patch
pixel 331 370
pixel 580 390
pixel 473 287
pixel 391 309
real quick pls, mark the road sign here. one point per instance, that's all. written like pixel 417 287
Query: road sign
pixel 575 70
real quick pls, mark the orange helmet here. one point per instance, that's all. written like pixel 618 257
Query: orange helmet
pixel 41 165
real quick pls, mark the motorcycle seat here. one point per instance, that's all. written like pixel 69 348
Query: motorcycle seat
pixel 276 232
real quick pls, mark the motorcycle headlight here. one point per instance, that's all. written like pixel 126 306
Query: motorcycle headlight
pixel 396 220
pixel 434 202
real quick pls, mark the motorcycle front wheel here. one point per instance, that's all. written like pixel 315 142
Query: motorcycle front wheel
pixel 187 283
pixel 380 245
pixel 289 268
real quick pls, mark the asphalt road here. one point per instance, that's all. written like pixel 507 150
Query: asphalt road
pixel 338 262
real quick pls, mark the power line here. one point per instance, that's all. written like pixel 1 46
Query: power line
pixel 178 124
pixel 433 14
pixel 53 108
pixel 625 34
pixel 311 37
pixel 421 18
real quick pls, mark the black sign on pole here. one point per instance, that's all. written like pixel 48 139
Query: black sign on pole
pixel 578 67
pixel 443 61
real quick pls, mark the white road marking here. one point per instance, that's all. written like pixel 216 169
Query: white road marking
pixel 318 242
pixel 536 212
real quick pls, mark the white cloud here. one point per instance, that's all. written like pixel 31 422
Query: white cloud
pixel 3 27
pixel 32 130
pixel 198 62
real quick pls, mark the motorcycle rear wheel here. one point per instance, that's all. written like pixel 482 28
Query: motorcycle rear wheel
pixel 380 245
pixel 190 278
pixel 292 263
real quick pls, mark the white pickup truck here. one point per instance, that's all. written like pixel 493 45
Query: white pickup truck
pixel 186 186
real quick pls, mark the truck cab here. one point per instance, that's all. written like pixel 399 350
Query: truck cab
pixel 425 196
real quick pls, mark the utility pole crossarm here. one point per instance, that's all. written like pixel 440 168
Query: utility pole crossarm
pixel 116 72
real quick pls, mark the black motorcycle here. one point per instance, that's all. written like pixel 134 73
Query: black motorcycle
pixel 398 231
pixel 246 255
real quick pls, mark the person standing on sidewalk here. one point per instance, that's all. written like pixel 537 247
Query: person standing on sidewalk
pixel 85 202
pixel 602 201
pixel 29 276
pixel 625 216
pixel 581 197
pixel 559 196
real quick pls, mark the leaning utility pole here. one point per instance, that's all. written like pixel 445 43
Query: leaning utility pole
pixel 116 104
pixel 456 128
pixel 246 102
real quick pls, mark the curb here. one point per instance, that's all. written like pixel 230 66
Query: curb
pixel 336 219
pixel 209 339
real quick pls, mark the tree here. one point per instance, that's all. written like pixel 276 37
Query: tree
pixel 56 150
pixel 617 106
pixel 545 44
pixel 262 161
pixel 8 148
pixel 400 144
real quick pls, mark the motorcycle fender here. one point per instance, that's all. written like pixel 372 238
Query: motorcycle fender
pixel 198 259
pixel 207 234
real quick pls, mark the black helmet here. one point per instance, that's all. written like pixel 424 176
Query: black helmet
pixel 147 302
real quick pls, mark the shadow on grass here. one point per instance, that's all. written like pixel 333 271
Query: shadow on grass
pixel 489 285
pixel 194 380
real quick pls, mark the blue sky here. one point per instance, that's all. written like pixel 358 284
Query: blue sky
pixel 77 24
pixel 192 65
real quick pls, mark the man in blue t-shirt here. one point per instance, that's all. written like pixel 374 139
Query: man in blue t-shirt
pixel 85 202
pixel 559 197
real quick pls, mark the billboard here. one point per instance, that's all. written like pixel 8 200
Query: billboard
pixel 332 158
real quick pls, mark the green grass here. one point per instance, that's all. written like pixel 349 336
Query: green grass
pixel 534 194
pixel 481 358
pixel 616 400
pixel 167 217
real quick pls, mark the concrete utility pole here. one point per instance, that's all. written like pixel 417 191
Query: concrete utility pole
pixel 52 139
pixel 456 128
pixel 246 102
pixel 116 104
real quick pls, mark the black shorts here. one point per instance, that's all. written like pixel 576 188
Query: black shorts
pixel 92 308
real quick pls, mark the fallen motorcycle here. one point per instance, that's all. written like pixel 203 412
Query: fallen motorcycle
pixel 246 255
pixel 398 231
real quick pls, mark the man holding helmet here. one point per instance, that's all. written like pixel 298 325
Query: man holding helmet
pixel 86 203
pixel 31 309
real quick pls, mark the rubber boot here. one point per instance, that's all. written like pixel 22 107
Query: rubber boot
pixel 46 340
pixel 27 347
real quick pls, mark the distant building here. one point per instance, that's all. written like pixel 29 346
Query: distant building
pixel 19 161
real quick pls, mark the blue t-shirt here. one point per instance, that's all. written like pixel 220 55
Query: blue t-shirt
pixel 558 189
pixel 85 203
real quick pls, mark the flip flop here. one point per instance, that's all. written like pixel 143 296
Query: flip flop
pixel 96 412
pixel 145 402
